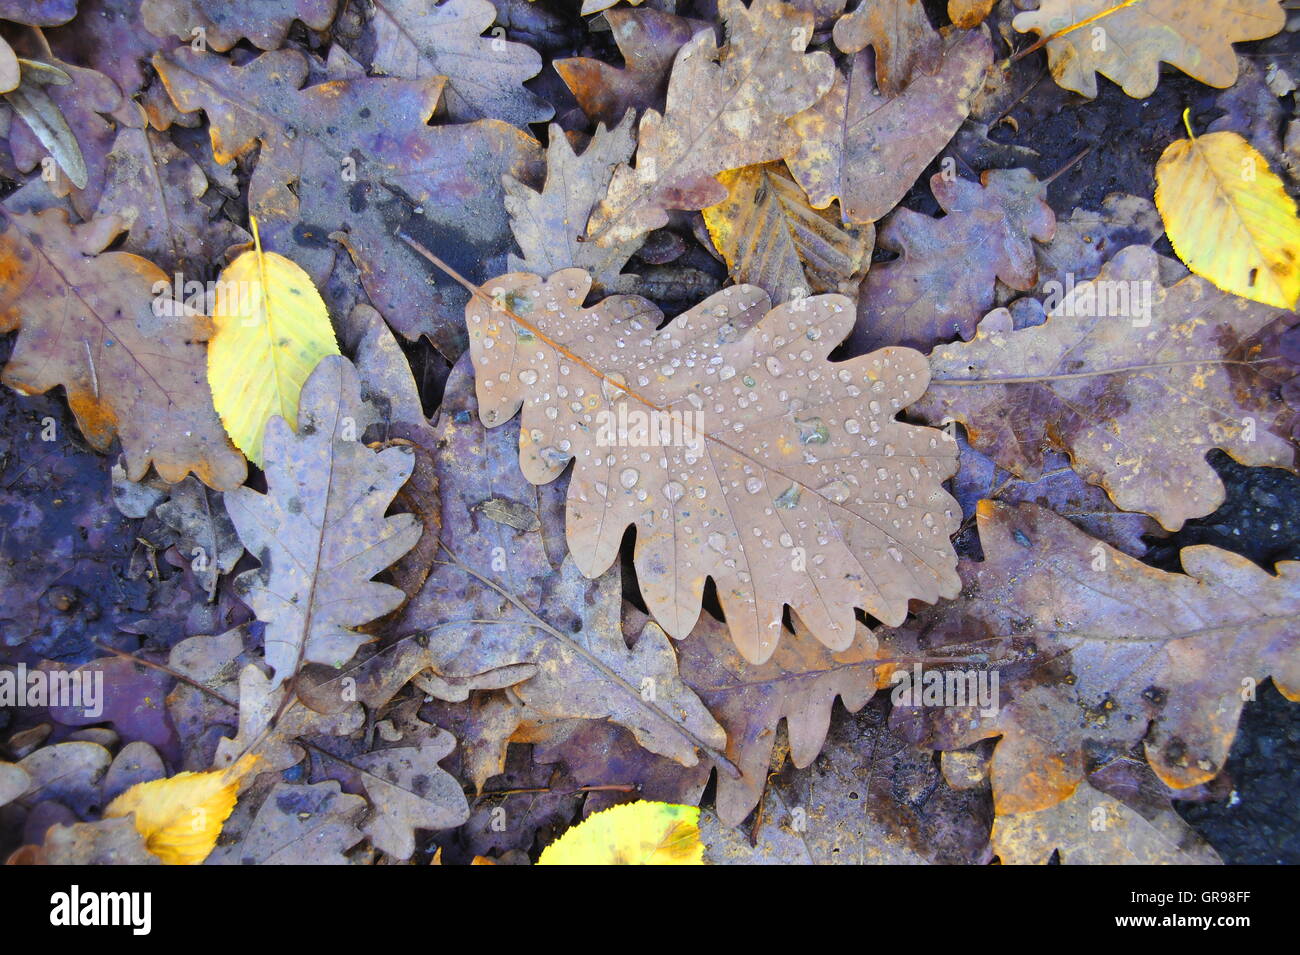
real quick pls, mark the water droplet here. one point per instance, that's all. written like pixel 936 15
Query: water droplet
pixel 852 426
pixel 629 477
pixel 753 485
pixel 528 376
pixel 673 491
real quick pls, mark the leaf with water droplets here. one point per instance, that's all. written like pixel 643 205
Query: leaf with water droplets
pixel 715 437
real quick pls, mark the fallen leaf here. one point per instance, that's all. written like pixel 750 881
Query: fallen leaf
pixel 1136 395
pixel 725 109
pixel 968 14
pixel 308 824
pixel 649 40
pixel 179 818
pixel 771 237
pixel 900 34
pixel 866 147
pixel 104 842
pixel 1126 40
pixel 207 537
pixel 919 299
pixel 1229 217
pixel 320 531
pixel 270 331
pixel 638 833
pixel 758 441
pixel 91 323
pixel 485 74
pixel 354 159
pixel 223 23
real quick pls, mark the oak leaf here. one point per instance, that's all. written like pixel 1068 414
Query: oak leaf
pixel 320 530
pixel 725 109
pixel 1137 394
pixel 308 824
pixel 265 23
pixel 1096 651
pixel 93 322
pixel 784 477
pixel 900 34
pixel 1126 40
pixel 353 159
pixel 867 148
pixel 920 299
pixel 485 74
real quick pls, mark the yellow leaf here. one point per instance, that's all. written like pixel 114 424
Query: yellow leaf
pixel 270 330
pixel 1229 218
pixel 180 818
pixel 637 833
pixel 773 238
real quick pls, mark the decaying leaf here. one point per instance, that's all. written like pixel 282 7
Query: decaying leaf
pixel 353 159
pixel 179 818
pixel 1230 218
pixel 223 23
pixel 1097 652
pixel 900 34
pixel 14 781
pixel 1126 375
pixel 866 148
pixel 485 74
pixel 474 625
pixel 10 72
pixel 649 40
pixel 920 299
pixel 1092 828
pixel 734 447
pixel 1126 40
pixel 725 109
pixel 549 225
pixel 270 330
pixel 310 824
pixel 130 359
pixel 969 13
pixel 105 842
pixel 771 237
pixel 320 531
pixel 207 537
pixel 638 833
pixel 408 790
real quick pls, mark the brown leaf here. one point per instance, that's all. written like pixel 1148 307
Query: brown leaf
pixel 549 225
pixel 265 23
pixel 900 34
pixel 104 842
pixel 91 323
pixel 1136 396
pixel 1098 652
pixel 785 478
pixel 309 824
pixel 920 299
pixel 208 541
pixel 867 148
pixel 320 532
pixel 353 159
pixel 485 74
pixel 725 109
pixel 649 40
pixel 42 13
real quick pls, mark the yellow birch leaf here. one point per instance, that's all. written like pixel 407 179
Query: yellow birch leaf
pixel 270 329
pixel 180 818
pixel 1229 218
pixel 636 833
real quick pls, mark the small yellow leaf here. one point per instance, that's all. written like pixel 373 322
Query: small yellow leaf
pixel 180 818
pixel 1229 218
pixel 271 328
pixel 638 833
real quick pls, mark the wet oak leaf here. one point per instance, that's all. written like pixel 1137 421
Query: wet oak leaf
pixel 771 237
pixel 93 323
pixel 1137 35
pixel 725 109
pixel 866 148
pixel 320 532
pixel 920 299
pixel 208 541
pixel 308 824
pixel 785 478
pixel 353 160
pixel 409 790
pixel 900 34
pixel 265 23
pixel 1136 399
pixel 549 224
pixel 485 74
pixel 649 40
pixel 1096 650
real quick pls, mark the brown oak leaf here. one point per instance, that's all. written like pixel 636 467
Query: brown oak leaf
pixel 265 23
